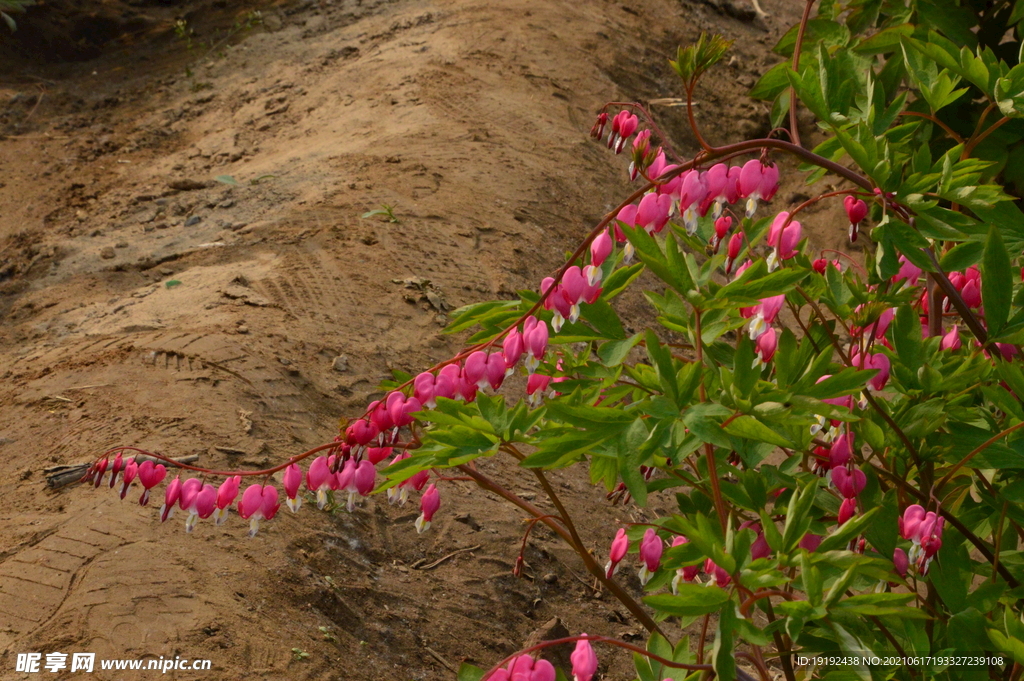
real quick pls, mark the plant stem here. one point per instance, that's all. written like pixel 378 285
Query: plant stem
pixel 794 132
pixel 588 560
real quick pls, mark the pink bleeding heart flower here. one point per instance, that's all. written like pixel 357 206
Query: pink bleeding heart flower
pixel 930 537
pixel 718 575
pixel 951 341
pixel 971 294
pixel 766 345
pixel 226 494
pixel 716 180
pixel 150 475
pixel 131 470
pixel 115 470
pixel 775 231
pixel 693 191
pixel 396 406
pixel 850 483
pixel 292 480
pixel 574 287
pixel 789 239
pixel 750 179
pixel 841 451
pixel 732 185
pixel 171 496
pixel 380 416
pixel 600 248
pixel 764 315
pixel 620 545
pixel 512 349
pixel 449 380
pixel 429 503
pixel 760 547
pixel 811 542
pixel 653 212
pixel 651 548
pixel 910 522
pixel 356 479
pixel 584 661
pixel 423 389
pixel 733 251
pixel 189 489
pixel 320 480
pixel 688 573
pixel 642 154
pixel 475 369
pixel 377 454
pixel 96 471
pixel 769 181
pixel 536 339
pixel 876 361
pixel 206 502
pixel 908 272
pixel 847 510
pixel 722 227
pixel 199 503
pixel 597 132
pixel 856 211
pixel 845 401
pixel 361 433
pixel 259 502
pixel 900 561
pixel 536 384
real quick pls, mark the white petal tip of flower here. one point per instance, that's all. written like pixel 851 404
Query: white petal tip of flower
pixel 422 525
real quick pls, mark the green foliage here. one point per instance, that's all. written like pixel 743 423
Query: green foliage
pixel 921 99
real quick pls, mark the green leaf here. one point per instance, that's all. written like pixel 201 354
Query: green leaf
pixel 1010 645
pixel 850 529
pixel 886 40
pixel 962 256
pixel 798 518
pixel 468 672
pixel 907 337
pixel 614 352
pixel 630 458
pixel 1009 92
pixel 772 83
pixel 620 279
pixel 602 317
pixel 691 600
pixel 723 655
pixel 748 291
pixel 847 381
pixel 825 31
pixel 748 427
pixel 996 282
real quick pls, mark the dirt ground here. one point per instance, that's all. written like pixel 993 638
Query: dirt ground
pixel 144 302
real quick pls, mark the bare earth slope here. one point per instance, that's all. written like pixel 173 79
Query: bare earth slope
pixel 469 118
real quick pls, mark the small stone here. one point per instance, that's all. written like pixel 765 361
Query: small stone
pixel 284 361
pixel 242 328
pixel 148 228
pixel 107 252
pixel 227 203
pixel 121 244
pixel 340 363
pixel 194 220
pixel 166 271
pixel 550 578
pixel 161 225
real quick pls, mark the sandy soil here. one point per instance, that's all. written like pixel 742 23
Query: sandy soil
pixel 469 118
